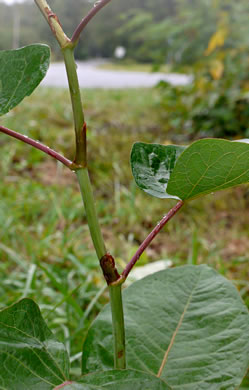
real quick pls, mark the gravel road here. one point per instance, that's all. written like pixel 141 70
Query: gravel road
pixel 90 76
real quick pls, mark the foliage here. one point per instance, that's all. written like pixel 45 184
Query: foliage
pixel 35 232
pixel 183 308
pixel 186 173
pixel 25 68
pixel 33 358
pixel 148 32
pixel 216 102
pixel 101 37
pixel 192 299
pixel 178 36
pixel 150 174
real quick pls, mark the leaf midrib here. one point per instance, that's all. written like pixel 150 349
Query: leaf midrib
pixel 221 185
pixel 165 358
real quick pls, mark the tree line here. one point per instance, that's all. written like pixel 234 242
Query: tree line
pixel 172 31
pixel 100 38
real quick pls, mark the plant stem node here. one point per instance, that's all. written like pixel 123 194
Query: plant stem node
pixel 109 269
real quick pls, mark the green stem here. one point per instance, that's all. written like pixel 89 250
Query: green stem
pixel 78 114
pixel 108 267
pixel 106 261
pixel 118 326
pixel 92 219
pixel 54 23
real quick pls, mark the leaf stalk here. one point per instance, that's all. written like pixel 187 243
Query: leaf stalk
pixel 150 237
pixel 44 148
pixel 97 7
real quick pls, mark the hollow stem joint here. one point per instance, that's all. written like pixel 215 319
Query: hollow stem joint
pixel 109 269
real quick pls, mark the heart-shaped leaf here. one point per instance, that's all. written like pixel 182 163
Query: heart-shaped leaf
pixel 152 165
pixel 21 71
pixel 30 357
pixel 187 325
pixel 209 165
pixel 118 380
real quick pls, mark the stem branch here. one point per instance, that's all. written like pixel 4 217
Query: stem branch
pixel 54 23
pixel 97 7
pixel 38 145
pixel 150 237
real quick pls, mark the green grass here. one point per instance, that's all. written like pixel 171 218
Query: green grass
pixel 129 66
pixel 45 249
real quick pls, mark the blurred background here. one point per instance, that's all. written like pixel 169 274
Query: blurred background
pixel 45 248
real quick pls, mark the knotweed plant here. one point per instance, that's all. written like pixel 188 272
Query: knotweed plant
pixel 184 328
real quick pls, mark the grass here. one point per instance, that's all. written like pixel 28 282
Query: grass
pixel 129 66
pixel 45 250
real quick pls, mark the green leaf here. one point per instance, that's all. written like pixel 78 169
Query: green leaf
pixel 152 165
pixel 118 380
pixel 30 357
pixel 188 325
pixel 209 165
pixel 21 71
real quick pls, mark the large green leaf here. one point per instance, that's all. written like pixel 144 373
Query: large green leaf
pixel 21 71
pixel 188 325
pixel 30 357
pixel 118 380
pixel 209 165
pixel 152 165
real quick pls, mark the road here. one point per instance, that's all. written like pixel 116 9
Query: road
pixel 90 76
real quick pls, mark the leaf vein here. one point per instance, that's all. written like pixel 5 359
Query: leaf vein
pixel 165 358
pixel 40 343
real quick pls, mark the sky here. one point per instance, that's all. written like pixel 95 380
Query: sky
pixel 11 1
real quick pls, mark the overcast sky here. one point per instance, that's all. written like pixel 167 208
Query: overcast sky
pixel 11 1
